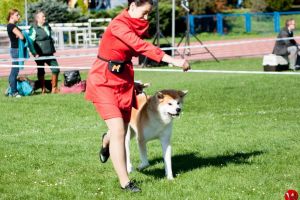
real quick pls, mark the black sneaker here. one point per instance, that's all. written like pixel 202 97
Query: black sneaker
pixel 131 187
pixel 104 151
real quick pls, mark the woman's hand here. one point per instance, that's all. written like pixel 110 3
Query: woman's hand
pixel 183 63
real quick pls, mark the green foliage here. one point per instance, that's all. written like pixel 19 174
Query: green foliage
pixel 256 5
pixel 202 7
pixel 279 5
pixel 82 6
pixel 268 5
pixel 6 5
pixel 196 6
pixel 56 11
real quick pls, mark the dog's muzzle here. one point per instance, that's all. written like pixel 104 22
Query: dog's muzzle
pixel 178 110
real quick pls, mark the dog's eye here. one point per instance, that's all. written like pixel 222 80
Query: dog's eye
pixel 178 103
pixel 169 104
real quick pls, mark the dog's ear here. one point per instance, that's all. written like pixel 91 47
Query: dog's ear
pixel 183 93
pixel 145 85
pixel 159 95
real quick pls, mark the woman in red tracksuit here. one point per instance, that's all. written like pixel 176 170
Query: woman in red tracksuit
pixel 110 83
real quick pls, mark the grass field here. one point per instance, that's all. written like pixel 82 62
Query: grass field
pixel 238 138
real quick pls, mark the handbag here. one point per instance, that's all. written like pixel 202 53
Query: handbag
pixel 71 78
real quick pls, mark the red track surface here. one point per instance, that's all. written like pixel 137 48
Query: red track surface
pixel 221 52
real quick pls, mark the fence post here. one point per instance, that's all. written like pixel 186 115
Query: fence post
pixel 276 22
pixel 192 24
pixel 220 24
pixel 247 22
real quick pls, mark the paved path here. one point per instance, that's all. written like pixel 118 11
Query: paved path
pixel 220 49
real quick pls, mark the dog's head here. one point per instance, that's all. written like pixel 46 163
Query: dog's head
pixel 170 102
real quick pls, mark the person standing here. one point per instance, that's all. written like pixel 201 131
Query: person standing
pixel 41 36
pixel 110 82
pixel 14 34
pixel 288 47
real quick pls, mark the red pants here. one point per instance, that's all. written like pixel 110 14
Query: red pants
pixel 109 111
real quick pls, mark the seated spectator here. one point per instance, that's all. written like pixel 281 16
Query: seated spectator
pixel 288 48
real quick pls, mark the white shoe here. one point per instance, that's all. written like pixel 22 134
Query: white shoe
pixel 15 95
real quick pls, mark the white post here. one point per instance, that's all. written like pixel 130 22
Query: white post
pixel 26 16
pixel 173 27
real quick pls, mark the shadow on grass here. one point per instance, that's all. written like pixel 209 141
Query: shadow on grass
pixel 190 161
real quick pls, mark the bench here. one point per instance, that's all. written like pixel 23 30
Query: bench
pixel 272 62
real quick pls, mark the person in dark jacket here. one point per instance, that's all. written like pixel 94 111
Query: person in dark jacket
pixel 40 34
pixel 288 47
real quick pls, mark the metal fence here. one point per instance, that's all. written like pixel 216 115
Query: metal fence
pixel 241 23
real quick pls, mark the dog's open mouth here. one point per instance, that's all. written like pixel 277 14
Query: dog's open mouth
pixel 173 115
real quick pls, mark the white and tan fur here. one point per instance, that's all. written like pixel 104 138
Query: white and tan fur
pixel 153 120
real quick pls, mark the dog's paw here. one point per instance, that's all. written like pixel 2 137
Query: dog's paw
pixel 143 166
pixel 170 178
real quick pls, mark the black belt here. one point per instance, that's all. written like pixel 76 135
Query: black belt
pixel 115 66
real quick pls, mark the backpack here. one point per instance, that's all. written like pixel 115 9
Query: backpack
pixel 24 88
pixel 71 78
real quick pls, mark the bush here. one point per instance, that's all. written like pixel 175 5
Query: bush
pixel 6 5
pixel 256 5
pixel 268 5
pixel 56 12
pixel 279 5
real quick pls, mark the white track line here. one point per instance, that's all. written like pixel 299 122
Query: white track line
pixel 219 71
pixel 165 70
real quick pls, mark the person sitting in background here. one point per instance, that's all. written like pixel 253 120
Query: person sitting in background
pixel 288 47
pixel 40 35
pixel 14 34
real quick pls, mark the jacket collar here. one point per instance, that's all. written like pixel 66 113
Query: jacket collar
pixel 139 26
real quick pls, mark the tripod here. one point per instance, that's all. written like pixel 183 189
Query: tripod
pixel 157 35
pixel 185 5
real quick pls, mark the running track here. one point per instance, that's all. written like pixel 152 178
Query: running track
pixel 223 49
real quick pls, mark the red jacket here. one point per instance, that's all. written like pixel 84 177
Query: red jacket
pixel 121 41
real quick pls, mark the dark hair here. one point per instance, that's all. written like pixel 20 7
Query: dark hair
pixel 12 12
pixel 140 2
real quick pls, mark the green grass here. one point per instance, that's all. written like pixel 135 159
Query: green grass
pixel 238 138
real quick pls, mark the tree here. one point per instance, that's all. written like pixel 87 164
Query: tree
pixel 56 11
pixel 279 5
pixel 6 5
pixel 268 5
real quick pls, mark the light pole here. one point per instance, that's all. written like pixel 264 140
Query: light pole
pixel 173 26
pixel 26 16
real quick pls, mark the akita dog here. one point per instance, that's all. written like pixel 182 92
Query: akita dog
pixel 153 120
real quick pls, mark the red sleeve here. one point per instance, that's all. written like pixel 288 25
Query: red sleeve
pixel 125 34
